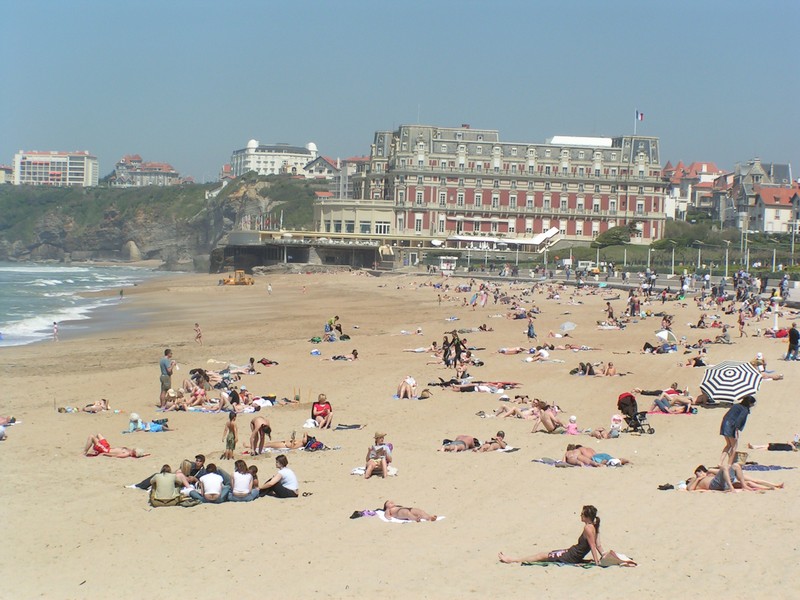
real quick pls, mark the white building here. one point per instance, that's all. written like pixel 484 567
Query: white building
pixel 273 159
pixel 56 168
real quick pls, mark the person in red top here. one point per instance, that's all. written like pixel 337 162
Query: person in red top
pixel 322 412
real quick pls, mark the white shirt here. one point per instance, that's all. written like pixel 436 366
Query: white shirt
pixel 288 479
pixel 242 483
pixel 212 483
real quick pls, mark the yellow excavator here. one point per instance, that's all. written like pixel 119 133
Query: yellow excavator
pixel 238 278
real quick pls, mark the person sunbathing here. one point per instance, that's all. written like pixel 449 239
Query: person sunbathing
pixel 512 350
pixel 549 421
pixel 460 444
pixel 293 443
pixel 587 542
pixel 406 513
pixel 379 456
pixel 498 442
pixel 96 407
pixel 727 480
pixel 97 445
pixel 761 365
pixel 407 387
pixel 587 457
pixel 792 446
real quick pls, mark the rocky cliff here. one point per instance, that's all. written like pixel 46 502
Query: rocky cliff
pixel 179 225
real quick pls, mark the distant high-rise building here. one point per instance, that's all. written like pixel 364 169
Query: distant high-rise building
pixel 273 159
pixel 55 168
pixel 132 171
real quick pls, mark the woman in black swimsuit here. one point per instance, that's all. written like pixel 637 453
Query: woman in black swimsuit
pixel 587 542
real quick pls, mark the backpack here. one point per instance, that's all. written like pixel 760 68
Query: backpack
pixel 315 340
pixel 312 445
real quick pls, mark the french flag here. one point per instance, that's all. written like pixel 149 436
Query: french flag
pixel 639 116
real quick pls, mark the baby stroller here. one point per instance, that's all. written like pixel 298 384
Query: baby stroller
pixel 635 419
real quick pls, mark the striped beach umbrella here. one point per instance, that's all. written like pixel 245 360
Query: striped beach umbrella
pixel 730 380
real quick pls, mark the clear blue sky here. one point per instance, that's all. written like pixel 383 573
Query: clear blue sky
pixel 188 81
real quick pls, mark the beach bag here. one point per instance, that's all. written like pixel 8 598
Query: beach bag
pixel 612 559
pixel 312 445
pixel 344 337
pixel 315 340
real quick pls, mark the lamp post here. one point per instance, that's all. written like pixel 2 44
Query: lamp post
pixel 727 248
pixel 624 256
pixel 649 250
pixel 672 268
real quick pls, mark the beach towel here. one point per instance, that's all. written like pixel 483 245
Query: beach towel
pixel 392 471
pixel 343 427
pixel 765 468
pixel 396 397
pixel 382 516
pixel 544 563
pixel 507 449
pixel 658 412
pixel 552 462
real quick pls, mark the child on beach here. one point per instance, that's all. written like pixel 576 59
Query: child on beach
pixel 198 334
pixel 230 436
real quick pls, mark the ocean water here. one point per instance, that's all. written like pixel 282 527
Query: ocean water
pixel 32 296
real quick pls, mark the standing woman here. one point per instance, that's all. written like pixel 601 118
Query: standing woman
pixel 446 351
pixel 732 424
pixel 587 542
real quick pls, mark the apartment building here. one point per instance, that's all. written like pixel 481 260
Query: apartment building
pixel 55 168
pixel 440 181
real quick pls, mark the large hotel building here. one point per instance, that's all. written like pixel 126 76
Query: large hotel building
pixel 55 168
pixel 432 181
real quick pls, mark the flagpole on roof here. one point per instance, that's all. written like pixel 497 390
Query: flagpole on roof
pixel 635 119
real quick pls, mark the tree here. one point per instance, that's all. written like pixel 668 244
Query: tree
pixel 616 236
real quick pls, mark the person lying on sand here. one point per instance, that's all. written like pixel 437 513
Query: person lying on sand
pixel 792 446
pixel 96 407
pixel 727 480
pixel 498 442
pixel 293 443
pixel 97 445
pixel 406 513
pixel 587 457
pixel 460 444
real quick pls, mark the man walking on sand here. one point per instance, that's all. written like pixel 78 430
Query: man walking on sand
pixel 167 365
pixel 55 331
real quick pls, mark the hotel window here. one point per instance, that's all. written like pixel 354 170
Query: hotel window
pixel 563 187
pixel 405 145
pixel 479 167
pixel 478 182
pixel 513 151
pixel 418 224
pixel 512 201
pixel 530 184
pixel 442 164
pixel 581 171
pixel 547 170
pixel 441 224
pixel 401 196
pixel 460 182
pixel 420 163
pixel 580 154
pixel 495 201
pixel 597 172
pixel 460 199
pixel 529 201
pixel 596 189
pixel 528 225
pixel 365 228
pixel 547 153
pixel 419 198
pixel 514 185
pixel 641 190
pixel 512 226
pixel 444 148
pixel 496 183
pixel 547 185
pixel 442 199
pixel 479 150
pixel 563 205
pixel 480 137
pixel 640 208
pixel 349 226
pixel 564 170
pixel 596 206
pixel 337 227
pixel 612 206
pixel 442 181
pixel 531 169
pixel 459 135
pixel 460 166
pixel 613 189
pixel 578 229
pixel 580 187
pixel 495 227
pixel 580 204
pixel 419 180
pixel 614 172
pixel 641 172
pixel 513 167
pixel 478 199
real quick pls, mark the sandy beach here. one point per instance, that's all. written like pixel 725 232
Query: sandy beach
pixel 97 538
